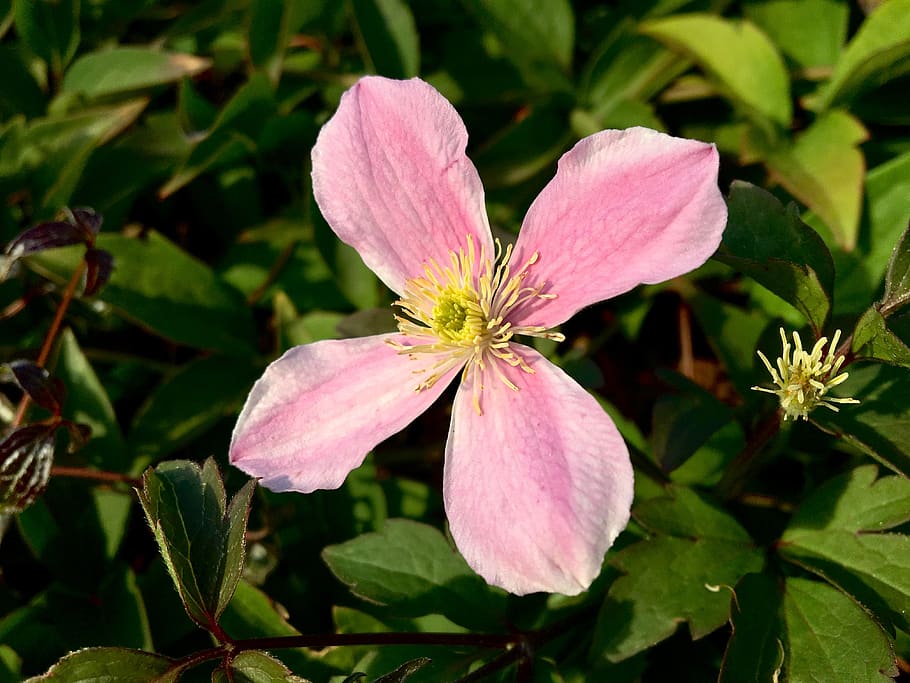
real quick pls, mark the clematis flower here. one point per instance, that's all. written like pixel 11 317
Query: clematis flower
pixel 537 481
pixel 806 378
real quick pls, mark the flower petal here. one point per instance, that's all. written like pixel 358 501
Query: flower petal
pixel 625 207
pixel 537 487
pixel 391 177
pixel 320 408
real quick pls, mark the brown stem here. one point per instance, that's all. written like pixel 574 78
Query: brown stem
pixel 96 475
pixel 273 273
pixel 51 336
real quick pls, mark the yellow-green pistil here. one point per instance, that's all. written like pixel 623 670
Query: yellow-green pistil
pixel 459 312
pixel 804 380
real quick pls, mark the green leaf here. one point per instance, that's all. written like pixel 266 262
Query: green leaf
pixel 810 32
pixel 232 136
pixel 683 422
pixel 186 404
pixel 20 93
pixel 627 67
pixel 835 534
pixel 832 638
pixel 738 57
pixel 856 501
pixel 54 151
pixel 524 147
pixel 405 671
pixel 879 52
pixel 114 664
pixel 128 69
pixel 755 651
pixel 774 247
pixel 200 537
pixel 157 284
pixel 255 666
pixel 270 28
pixel 49 29
pixel 684 572
pixel 874 341
pixel 897 278
pixel 389 36
pixel 413 569
pixel 88 403
pixel 880 424
pixel 538 36
pixel 824 169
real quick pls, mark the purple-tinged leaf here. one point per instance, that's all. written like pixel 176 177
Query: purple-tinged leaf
pixel 79 434
pixel 46 236
pixel 26 455
pixel 89 219
pixel 100 265
pixel 46 391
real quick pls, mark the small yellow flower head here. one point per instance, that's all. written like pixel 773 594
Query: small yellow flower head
pixel 804 380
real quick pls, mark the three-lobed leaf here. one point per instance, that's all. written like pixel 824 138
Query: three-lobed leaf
pixel 682 573
pixel 837 534
pixel 200 536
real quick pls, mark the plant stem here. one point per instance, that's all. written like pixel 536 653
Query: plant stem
pixel 738 472
pixel 51 336
pixel 96 475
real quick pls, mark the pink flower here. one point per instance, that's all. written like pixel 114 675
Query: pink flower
pixel 538 482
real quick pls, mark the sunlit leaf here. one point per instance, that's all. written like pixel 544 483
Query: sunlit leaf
pixel 738 57
pixel 811 32
pixel 878 52
pixel 824 168
pixel 127 69
pixel 873 340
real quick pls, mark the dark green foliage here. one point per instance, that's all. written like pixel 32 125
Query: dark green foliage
pixel 757 550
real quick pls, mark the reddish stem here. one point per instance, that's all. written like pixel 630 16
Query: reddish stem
pixel 51 336
pixel 96 475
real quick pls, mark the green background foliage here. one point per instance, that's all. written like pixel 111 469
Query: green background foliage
pixel 758 551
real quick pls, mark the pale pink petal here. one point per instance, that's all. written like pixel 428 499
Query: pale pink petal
pixel 391 177
pixel 320 408
pixel 625 207
pixel 538 486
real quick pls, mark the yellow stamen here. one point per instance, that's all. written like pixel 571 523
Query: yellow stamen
pixel 460 312
pixel 804 380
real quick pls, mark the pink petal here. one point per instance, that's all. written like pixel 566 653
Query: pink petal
pixel 320 408
pixel 391 177
pixel 625 207
pixel 539 485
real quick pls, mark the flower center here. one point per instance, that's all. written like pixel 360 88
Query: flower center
pixel 804 380
pixel 460 312
pixel 458 316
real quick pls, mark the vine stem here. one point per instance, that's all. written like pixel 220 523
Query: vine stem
pixel 51 336
pixel 96 475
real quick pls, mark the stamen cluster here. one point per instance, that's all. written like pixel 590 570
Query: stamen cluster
pixel 804 380
pixel 460 311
